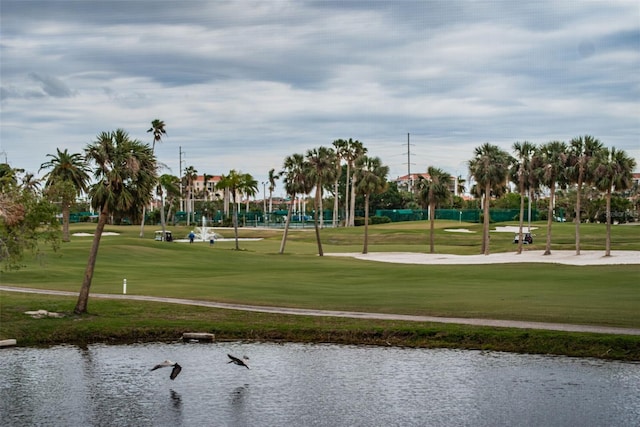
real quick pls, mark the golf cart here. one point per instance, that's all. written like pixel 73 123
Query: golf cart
pixel 167 236
pixel 527 239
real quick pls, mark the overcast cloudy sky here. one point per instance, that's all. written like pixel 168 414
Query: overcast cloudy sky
pixel 243 84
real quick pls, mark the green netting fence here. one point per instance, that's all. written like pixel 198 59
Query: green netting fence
pixel 462 215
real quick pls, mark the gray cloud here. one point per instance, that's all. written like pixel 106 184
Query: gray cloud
pixel 278 77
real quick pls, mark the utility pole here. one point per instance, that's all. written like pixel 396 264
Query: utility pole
pixel 409 180
pixel 180 153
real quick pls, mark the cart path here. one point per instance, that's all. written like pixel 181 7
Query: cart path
pixel 349 314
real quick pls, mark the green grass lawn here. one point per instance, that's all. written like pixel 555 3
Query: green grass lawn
pixel 257 274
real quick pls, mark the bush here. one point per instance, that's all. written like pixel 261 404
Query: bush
pixel 359 221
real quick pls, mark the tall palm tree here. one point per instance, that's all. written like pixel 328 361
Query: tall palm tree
pixel 521 175
pixel 614 172
pixel 237 183
pixel 580 171
pixel 434 190
pixel 460 184
pixel 490 169
pixel 69 175
pixel 273 176
pixel 321 170
pixel 171 186
pixel 550 163
pixel 371 179
pixel 295 177
pixel 339 145
pixel 355 150
pixel 190 175
pixel 157 127
pixel 125 174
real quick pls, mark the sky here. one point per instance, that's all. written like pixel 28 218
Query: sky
pixel 244 84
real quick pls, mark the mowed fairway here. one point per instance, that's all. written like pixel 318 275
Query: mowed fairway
pixel 258 275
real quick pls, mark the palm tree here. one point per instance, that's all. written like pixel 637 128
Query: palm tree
pixel 339 145
pixel 550 163
pixel 614 172
pixel 460 184
pixel 237 183
pixel 321 170
pixel 355 150
pixel 490 169
pixel 295 177
pixel 371 179
pixel 125 171
pixel 273 176
pixel 68 177
pixel 581 151
pixel 434 190
pixel 171 186
pixel 190 175
pixel 521 175
pixel 157 127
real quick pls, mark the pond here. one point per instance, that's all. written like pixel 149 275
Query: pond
pixel 311 385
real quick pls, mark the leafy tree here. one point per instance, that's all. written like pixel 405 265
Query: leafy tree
pixel 550 163
pixel 580 171
pixel 237 183
pixel 157 128
pixel 522 175
pixel 26 219
pixel 295 177
pixel 490 169
pixel 371 179
pixel 614 172
pixel 433 190
pixel 67 178
pixel 321 170
pixel 125 171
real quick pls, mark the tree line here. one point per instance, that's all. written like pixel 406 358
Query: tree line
pixel 121 176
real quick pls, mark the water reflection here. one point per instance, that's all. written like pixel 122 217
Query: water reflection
pixel 312 385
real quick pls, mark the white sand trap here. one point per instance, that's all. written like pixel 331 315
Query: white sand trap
pixel 557 257
pixel 458 230
pixel 107 233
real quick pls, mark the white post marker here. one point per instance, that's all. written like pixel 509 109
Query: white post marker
pixel 124 286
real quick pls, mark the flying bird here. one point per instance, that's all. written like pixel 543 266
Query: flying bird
pixel 174 372
pixel 238 361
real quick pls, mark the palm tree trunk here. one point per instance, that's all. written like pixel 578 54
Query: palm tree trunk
pixel 144 211
pixel 365 249
pixel 316 222
pixel 235 223
pixel 607 244
pixel 348 183
pixel 547 249
pixel 352 211
pixel 432 215
pixel 83 297
pixel 485 224
pixel 578 207
pixel 521 216
pixel 334 221
pixel 162 218
pixel 286 225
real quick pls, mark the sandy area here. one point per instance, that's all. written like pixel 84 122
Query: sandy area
pixel 558 257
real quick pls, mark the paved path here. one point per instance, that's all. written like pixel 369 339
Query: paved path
pixel 349 314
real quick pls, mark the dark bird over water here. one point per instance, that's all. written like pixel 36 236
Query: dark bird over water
pixel 174 372
pixel 238 361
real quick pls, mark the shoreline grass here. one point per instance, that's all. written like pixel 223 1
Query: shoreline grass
pixel 593 295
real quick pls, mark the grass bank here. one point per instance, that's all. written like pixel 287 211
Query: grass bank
pixel 594 295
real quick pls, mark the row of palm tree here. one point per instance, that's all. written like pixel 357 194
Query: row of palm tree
pixel 585 161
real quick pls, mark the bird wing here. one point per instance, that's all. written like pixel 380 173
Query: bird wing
pixel 237 361
pixel 163 365
pixel 176 370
